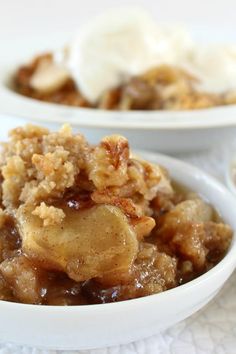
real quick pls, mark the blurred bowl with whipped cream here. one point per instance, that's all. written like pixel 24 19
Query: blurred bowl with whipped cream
pixel 125 73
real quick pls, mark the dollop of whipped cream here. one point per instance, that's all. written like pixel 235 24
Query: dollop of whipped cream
pixel 118 45
pixel 214 66
pixel 125 42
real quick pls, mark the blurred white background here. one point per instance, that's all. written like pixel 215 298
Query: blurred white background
pixel 26 16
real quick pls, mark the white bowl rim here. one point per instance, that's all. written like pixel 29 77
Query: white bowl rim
pixel 231 161
pixel 24 107
pixel 228 260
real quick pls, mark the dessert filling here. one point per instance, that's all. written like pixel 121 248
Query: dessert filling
pixel 124 60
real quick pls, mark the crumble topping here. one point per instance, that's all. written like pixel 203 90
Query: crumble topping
pixel 49 214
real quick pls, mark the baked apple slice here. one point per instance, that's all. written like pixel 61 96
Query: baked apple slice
pixel 95 242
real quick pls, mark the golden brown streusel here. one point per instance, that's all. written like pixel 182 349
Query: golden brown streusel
pixel 49 214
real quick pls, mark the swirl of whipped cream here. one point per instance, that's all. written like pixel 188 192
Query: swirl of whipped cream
pixel 119 44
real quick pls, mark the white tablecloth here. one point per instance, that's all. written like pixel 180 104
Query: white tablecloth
pixel 210 331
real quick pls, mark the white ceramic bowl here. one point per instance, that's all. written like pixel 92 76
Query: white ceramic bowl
pixel 230 173
pixel 93 326
pixel 165 131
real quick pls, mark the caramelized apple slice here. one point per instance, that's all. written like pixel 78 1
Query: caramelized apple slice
pixel 26 281
pixel 96 242
pixel 182 231
pixel 48 77
pixel 192 211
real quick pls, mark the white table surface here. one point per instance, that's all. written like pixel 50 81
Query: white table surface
pixel 210 331
pixel 25 17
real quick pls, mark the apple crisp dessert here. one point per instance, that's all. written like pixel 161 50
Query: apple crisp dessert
pixel 164 87
pixel 82 224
